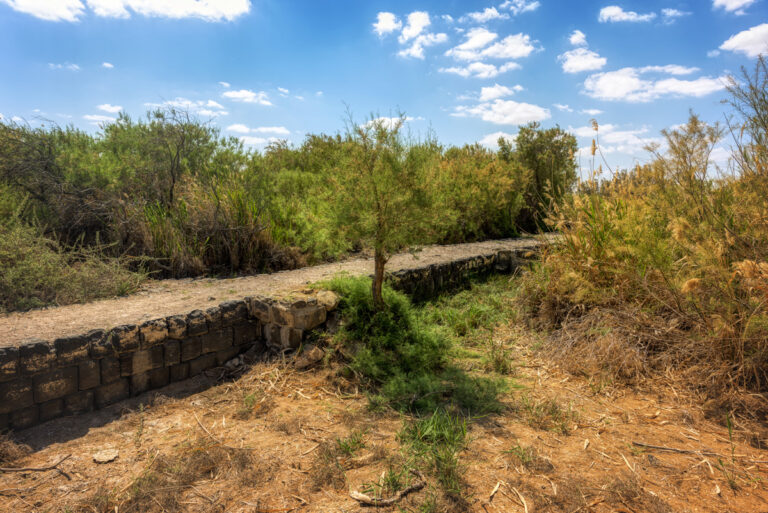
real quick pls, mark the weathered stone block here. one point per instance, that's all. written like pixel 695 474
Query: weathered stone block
pixel 28 417
pixel 246 333
pixel 233 312
pixel 191 348
pixel 102 346
pixel 111 393
pixel 36 355
pixel 110 369
pixel 9 363
pixel 89 374
pixel 51 409
pixel 171 352
pixel 179 372
pixel 140 383
pixel 152 333
pixel 5 422
pixel 260 308
pixel 282 314
pixel 213 318
pixel 201 363
pixel 290 338
pixel 217 340
pixel 148 359
pixel 177 326
pixel 80 402
pixel 54 384
pixel 504 261
pixel 308 317
pixel 125 338
pixel 16 395
pixel 71 350
pixel 272 335
pixel 225 355
pixel 159 377
pixel 197 323
pixel 329 300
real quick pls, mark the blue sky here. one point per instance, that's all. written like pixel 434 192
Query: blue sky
pixel 467 70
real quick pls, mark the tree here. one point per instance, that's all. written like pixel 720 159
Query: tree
pixel 382 198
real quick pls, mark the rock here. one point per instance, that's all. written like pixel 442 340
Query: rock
pixel 106 455
pixel 310 356
pixel 328 299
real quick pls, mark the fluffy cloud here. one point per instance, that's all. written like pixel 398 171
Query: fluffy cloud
pixel 107 65
pixel 613 140
pixel 578 38
pixel 734 6
pixel 250 140
pixel 67 66
pixel 98 119
pixel 475 47
pixel 503 112
pixel 72 10
pixel 492 140
pixel 591 112
pixel 564 108
pixel 751 42
pixel 581 59
pixel 386 22
pixel 520 6
pixel 614 13
pixel 670 15
pixel 239 128
pixel 112 109
pixel 498 91
pixel 480 70
pixel 225 85
pixel 628 84
pixel 416 49
pixel 475 39
pixel 208 108
pixel 490 13
pixel 417 22
pixel 247 96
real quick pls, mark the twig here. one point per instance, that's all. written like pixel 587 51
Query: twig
pixel 525 506
pixel 373 501
pixel 35 469
pixel 310 450
pixel 493 492
pixel 672 449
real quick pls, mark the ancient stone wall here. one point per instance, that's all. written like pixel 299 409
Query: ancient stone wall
pixel 41 380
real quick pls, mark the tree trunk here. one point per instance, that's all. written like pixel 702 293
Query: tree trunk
pixel 378 280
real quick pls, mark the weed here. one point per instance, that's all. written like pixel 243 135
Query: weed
pixel 546 414
pixel 349 445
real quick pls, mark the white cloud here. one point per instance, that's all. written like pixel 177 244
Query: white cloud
pixel 67 66
pixel 388 122
pixel 107 65
pixel 751 42
pixel 564 108
pixel 416 50
pixel 492 140
pixel 255 141
pixel 581 59
pixel 614 13
pixel 578 38
pixel 475 39
pixel 734 6
pixel 248 96
pixel 627 84
pixel 283 91
pixel 511 47
pixel 670 15
pixel 474 47
pixel 417 22
pixel 386 22
pixel 490 13
pixel 503 112
pixel 225 85
pixel 208 108
pixel 98 119
pixel 613 140
pixel 713 53
pixel 498 91
pixel 672 69
pixel 272 130
pixel 112 109
pixel 239 128
pixel 300 98
pixel 60 10
pixel 520 6
pixel 72 10
pixel 447 18
pixel 591 112
pixel 480 70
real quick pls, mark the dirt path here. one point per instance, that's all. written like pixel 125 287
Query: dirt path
pixel 562 445
pixel 170 297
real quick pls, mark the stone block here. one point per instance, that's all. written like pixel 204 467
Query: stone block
pixel 5 422
pixel 213 318
pixel 125 338
pixel 80 402
pixel 177 326
pixel 158 378
pixel 197 323
pixel 217 340
pixel 202 363
pixel 111 393
pixel 308 317
pixel 148 359
pixel 51 409
pixel 246 333
pixel 282 314
pixel 504 261
pixel 75 349
pixel 225 355
pixel 54 384
pixel 110 369
pixel 172 352
pixel 191 348
pixel 260 308
pixel 89 374
pixel 36 355
pixel 290 338
pixel 9 363
pixel 139 383
pixel 15 395
pixel 329 300
pixel 22 419
pixel 103 346
pixel 152 333
pixel 233 312
pixel 179 372
pixel 272 335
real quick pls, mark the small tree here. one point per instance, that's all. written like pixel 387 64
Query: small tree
pixel 381 190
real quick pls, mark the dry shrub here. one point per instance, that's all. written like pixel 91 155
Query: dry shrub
pixel 11 450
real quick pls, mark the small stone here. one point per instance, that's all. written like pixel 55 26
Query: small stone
pixel 310 356
pixel 106 455
pixel 328 299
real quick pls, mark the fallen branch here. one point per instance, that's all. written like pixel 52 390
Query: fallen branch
pixel 374 501
pixel 672 449
pixel 35 469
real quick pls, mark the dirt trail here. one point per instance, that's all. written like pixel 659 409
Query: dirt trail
pixel 578 455
pixel 170 297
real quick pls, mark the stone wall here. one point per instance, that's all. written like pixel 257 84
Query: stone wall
pixel 41 380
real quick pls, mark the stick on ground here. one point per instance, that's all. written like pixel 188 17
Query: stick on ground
pixel 373 501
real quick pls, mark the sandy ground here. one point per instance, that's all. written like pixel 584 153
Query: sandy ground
pixel 589 462
pixel 169 297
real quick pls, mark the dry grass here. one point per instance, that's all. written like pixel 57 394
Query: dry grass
pixel 11 450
